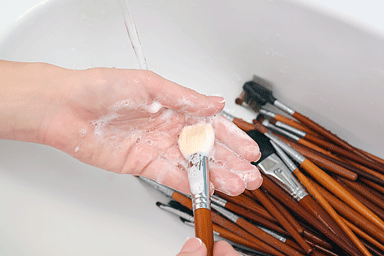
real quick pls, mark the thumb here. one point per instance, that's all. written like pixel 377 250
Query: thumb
pixel 193 247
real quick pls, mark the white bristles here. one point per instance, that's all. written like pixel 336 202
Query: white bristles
pixel 196 138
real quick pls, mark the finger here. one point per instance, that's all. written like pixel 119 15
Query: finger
pixel 166 173
pixel 223 248
pixel 238 165
pixel 237 140
pixel 175 96
pixel 193 247
pixel 225 181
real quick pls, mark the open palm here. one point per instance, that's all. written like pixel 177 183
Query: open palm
pixel 128 121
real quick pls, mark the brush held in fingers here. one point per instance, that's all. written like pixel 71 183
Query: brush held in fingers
pixel 195 142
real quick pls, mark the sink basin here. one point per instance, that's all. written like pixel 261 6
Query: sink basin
pixel 325 67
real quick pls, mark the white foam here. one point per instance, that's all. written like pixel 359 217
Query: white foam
pixel 154 107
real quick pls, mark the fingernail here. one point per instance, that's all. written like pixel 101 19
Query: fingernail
pixel 193 244
pixel 217 99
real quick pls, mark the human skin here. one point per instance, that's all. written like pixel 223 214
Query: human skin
pixel 124 121
pixel 194 247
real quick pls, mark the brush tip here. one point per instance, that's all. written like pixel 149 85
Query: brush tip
pixel 196 138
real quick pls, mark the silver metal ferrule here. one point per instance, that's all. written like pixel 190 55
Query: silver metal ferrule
pixel 164 189
pixel 198 177
pixel 294 130
pixel 274 168
pixel 218 200
pixel 287 149
pixel 177 212
pixel 273 233
pixel 267 113
pixel 300 194
pixel 273 127
pixel 229 215
pixel 227 115
pixel 283 107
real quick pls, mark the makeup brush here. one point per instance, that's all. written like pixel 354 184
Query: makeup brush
pixel 323 178
pixel 306 147
pixel 280 172
pixel 257 92
pixel 285 122
pixel 195 142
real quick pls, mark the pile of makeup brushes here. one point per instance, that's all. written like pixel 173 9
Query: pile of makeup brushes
pixel 320 195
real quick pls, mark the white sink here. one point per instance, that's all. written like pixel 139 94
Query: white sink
pixel 51 204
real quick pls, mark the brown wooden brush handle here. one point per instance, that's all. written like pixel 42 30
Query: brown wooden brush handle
pixel 263 247
pixel 257 232
pixel 327 134
pixel 259 194
pixel 224 233
pixel 364 235
pixel 295 224
pixel 320 159
pixel 288 201
pixel 351 215
pixel 373 185
pixel 317 211
pixel 241 211
pixel 203 228
pixel 346 153
pixel 365 192
pixel 377 210
pixel 324 203
pixel 243 125
pixel 365 169
pixel 249 204
pixel 295 124
pixel 312 238
pixel 232 227
pixel 333 186
pixel 376 158
pixel 342 167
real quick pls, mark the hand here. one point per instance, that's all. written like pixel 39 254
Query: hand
pixel 125 121
pixel 194 247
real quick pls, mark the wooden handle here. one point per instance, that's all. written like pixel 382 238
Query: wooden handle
pixel 282 219
pixel 245 126
pixel 203 228
pixel 351 214
pixel 294 124
pixel 324 203
pixel 288 201
pixel 317 211
pixel 232 227
pixel 333 186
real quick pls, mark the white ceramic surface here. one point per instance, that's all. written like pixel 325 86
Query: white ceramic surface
pixel 324 66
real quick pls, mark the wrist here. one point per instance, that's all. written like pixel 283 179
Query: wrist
pixel 29 93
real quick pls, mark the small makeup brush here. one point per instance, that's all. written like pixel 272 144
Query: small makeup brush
pixel 258 94
pixel 283 122
pixel 195 142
